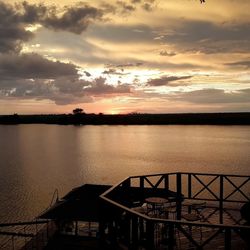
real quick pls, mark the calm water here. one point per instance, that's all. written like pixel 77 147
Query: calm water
pixel 37 159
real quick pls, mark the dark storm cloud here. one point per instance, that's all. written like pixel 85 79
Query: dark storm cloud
pixel 166 80
pixel 210 38
pixel 32 65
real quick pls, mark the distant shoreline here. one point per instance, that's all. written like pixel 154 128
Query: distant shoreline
pixel 130 119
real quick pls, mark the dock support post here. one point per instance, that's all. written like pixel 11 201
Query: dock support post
pixel 227 239
pixel 150 235
pixel 171 236
pixel 134 238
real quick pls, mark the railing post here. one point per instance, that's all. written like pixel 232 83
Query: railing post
pixel 141 182
pixel 150 235
pixel 179 195
pixel 189 186
pixel 166 182
pixel 125 189
pixel 126 183
pixel 142 187
pixel 227 239
pixel 221 198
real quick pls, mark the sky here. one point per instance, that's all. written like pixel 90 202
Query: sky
pixel 122 56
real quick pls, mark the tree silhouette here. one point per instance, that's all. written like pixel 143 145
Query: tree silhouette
pixel 77 111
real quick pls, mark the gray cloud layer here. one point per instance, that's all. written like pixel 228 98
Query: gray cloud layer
pixel 245 64
pixel 213 96
pixel 62 90
pixel 210 38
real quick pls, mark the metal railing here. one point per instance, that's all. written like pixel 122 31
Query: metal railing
pixel 26 235
pixel 224 191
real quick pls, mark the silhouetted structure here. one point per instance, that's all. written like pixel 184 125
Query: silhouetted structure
pixel 148 212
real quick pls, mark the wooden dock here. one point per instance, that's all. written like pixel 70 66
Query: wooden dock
pixel 219 226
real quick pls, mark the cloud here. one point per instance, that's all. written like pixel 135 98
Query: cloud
pixel 213 96
pixel 61 90
pixel 148 5
pixel 12 32
pixel 121 67
pixel 16 18
pixel 74 19
pixel 208 37
pixel 166 80
pixel 166 53
pixel 87 73
pixel 99 87
pixel 126 8
pixel 112 71
pixel 245 64
pixel 128 65
pixel 27 66
pixel 123 7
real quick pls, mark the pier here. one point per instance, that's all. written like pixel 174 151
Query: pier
pixel 161 211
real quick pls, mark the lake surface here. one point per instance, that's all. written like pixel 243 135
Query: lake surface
pixel 37 159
